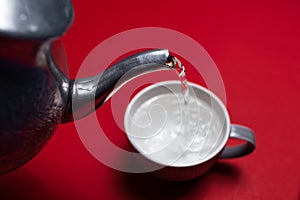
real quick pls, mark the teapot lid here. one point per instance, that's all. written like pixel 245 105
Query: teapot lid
pixel 35 19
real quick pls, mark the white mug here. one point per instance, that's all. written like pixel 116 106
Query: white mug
pixel 182 140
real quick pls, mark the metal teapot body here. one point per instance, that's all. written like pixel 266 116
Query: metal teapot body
pixel 32 104
pixel 35 94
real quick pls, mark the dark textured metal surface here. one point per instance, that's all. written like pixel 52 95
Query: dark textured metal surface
pixel 31 107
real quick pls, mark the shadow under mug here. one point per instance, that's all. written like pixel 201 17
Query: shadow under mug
pixel 218 151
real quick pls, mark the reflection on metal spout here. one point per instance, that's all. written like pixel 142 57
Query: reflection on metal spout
pixel 89 93
pixel 138 71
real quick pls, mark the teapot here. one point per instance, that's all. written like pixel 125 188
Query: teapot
pixel 35 93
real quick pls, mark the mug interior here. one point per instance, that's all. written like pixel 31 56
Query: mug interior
pixel 143 139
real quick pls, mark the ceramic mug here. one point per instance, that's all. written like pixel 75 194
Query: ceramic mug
pixel 182 140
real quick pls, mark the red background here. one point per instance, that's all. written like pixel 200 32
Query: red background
pixel 256 47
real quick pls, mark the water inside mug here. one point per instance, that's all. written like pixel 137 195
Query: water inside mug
pixel 171 132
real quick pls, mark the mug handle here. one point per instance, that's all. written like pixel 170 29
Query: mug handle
pixel 242 133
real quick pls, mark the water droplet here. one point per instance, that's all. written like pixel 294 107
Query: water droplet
pixel 23 17
pixel 67 11
pixel 33 28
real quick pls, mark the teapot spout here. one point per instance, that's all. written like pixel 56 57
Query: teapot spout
pixel 91 92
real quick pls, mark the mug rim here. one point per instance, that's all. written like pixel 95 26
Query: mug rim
pixel 154 86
